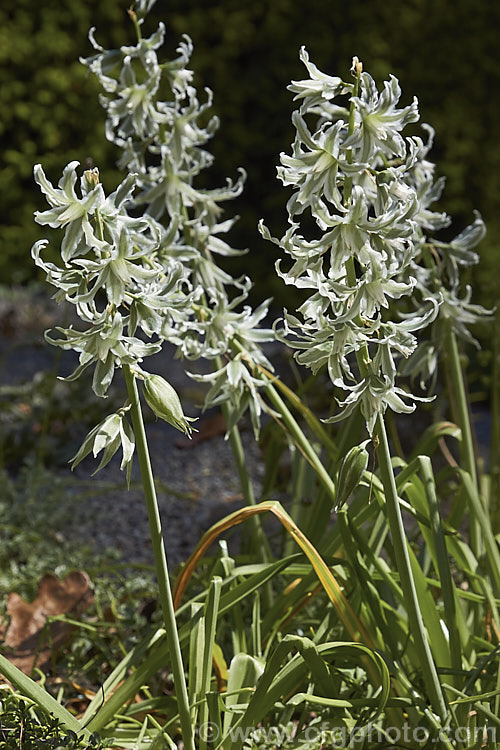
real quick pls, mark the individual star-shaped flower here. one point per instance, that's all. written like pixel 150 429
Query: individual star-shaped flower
pixel 379 121
pixel 319 88
pixel 68 210
pixel 375 393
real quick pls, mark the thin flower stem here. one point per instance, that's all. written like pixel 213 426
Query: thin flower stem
pixel 301 440
pixel 133 18
pixel 457 377
pixel 468 457
pixel 495 432
pixel 403 566
pixel 398 535
pixel 239 460
pixel 165 592
pixel 246 484
pixel 445 575
pixel 247 490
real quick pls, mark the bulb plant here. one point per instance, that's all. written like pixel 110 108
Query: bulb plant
pixel 366 192
pixel 401 618
pixel 364 213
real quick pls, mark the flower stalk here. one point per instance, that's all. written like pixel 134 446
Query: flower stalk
pixel 403 566
pixel 160 559
pixel 301 440
pixel 468 458
pixel 355 177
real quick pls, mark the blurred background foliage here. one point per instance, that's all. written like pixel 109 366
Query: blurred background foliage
pixel 443 51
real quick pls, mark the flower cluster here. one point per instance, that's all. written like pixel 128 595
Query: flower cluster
pixel 138 265
pixel 351 170
pixel 155 117
pixel 109 271
pixel 108 266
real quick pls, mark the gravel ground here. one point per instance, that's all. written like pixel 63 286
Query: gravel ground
pixel 197 487
pixel 198 483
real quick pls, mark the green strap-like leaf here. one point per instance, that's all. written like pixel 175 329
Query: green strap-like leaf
pixel 40 696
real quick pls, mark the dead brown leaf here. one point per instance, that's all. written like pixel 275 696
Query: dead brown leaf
pixel 30 642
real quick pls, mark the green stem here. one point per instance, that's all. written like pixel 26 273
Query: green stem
pixel 297 490
pixel 399 543
pixel 137 27
pixel 443 569
pixel 160 558
pixel 239 460
pixel 245 481
pixel 468 457
pixel 165 592
pixel 457 378
pixel 234 436
pixel 402 558
pixel 495 432
pixel 301 440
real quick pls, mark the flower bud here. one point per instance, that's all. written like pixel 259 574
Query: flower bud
pixel 165 403
pixel 352 469
pixel 92 177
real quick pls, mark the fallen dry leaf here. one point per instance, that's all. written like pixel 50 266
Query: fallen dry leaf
pixel 28 639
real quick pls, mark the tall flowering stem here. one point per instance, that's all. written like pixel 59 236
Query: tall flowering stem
pixel 400 545
pixel 460 394
pixel 138 268
pixel 110 273
pixel 157 120
pixel 349 169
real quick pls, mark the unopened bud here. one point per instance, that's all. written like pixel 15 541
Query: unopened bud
pixel 165 403
pixel 352 469
pixel 92 177
pixel 357 67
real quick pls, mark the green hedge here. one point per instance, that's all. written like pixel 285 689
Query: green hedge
pixel 49 107
pixel 443 51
